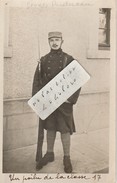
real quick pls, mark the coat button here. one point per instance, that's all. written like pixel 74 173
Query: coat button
pixel 60 61
pixel 48 61
pixel 48 68
pixel 49 75
pixel 60 67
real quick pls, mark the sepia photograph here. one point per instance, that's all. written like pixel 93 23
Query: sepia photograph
pixel 40 42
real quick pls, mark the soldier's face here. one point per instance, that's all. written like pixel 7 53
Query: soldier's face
pixel 55 43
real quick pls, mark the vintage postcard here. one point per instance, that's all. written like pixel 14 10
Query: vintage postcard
pixel 58 74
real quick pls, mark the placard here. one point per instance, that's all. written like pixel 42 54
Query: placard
pixel 59 89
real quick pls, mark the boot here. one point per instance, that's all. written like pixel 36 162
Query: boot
pixel 48 157
pixel 67 164
pixel 39 165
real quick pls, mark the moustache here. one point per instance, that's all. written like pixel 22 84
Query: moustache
pixel 54 45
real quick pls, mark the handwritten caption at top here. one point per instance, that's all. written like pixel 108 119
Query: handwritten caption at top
pixel 59 89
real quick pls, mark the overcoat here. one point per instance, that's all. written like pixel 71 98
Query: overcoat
pixel 51 64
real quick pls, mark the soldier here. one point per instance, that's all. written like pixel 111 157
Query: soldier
pixel 62 119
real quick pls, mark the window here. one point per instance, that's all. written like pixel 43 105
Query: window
pixel 104 29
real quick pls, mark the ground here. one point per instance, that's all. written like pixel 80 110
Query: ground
pixel 89 154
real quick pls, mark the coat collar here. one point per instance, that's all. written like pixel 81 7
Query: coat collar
pixel 59 51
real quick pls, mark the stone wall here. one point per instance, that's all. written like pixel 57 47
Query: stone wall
pixel 80 33
pixel 21 124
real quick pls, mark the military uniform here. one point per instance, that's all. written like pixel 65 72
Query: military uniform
pixel 51 64
pixel 62 118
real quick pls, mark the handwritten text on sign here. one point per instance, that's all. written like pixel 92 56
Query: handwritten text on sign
pixel 59 89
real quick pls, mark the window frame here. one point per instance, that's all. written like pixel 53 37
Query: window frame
pixel 106 46
pixel 8 50
pixel 93 51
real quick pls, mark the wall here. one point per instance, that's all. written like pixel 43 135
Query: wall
pixel 29 26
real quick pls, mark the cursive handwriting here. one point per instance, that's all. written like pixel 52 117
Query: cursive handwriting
pixel 57 176
pixel 59 89
pixel 62 87
pixel 12 177
pixel 71 176
pixel 31 177
pixel 55 3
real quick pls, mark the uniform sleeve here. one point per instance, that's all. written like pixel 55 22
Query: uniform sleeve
pixel 37 81
pixel 73 99
pixel 36 84
pixel 69 59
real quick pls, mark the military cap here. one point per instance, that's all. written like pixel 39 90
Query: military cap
pixel 54 34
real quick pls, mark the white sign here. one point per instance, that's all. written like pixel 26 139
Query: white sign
pixel 59 89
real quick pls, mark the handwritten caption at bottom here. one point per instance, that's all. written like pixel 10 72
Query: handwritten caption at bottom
pixel 47 177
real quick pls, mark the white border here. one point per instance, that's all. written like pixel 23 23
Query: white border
pixel 107 178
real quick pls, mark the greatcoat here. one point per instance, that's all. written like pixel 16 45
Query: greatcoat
pixel 51 64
